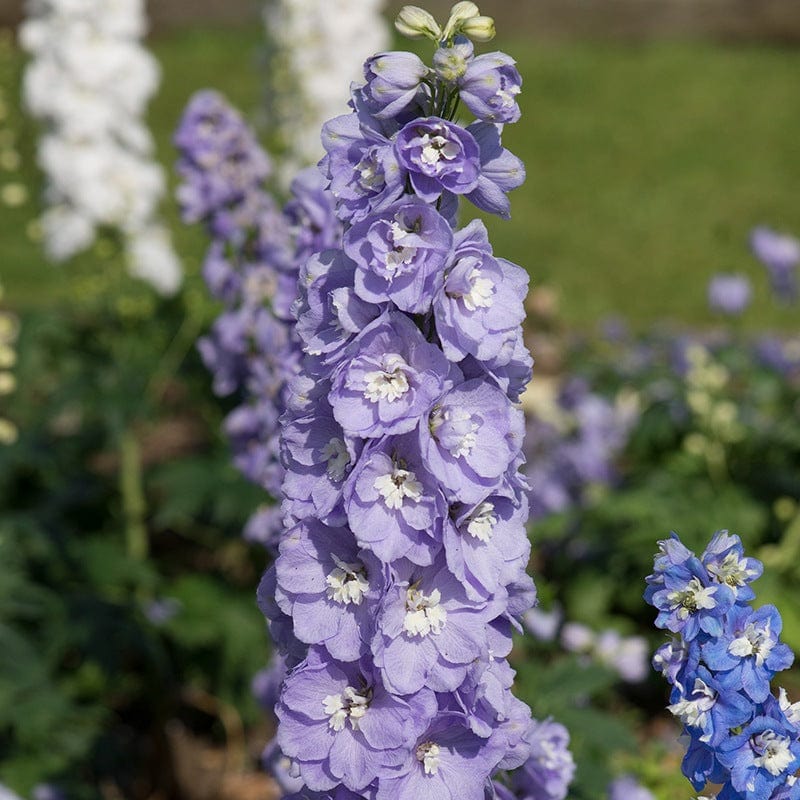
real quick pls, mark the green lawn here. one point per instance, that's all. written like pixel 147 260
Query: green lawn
pixel 647 166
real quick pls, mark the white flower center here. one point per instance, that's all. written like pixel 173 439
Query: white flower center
pixel 347 583
pixel 434 148
pixel 389 383
pixel 753 642
pixel 481 521
pixel 394 488
pixel 347 705
pixel 480 293
pixel 454 429
pixel 549 755
pixel 692 598
pixel 424 615
pixel 731 571
pixel 776 753
pixel 335 453
pixel 370 176
pixel 400 254
pixel 467 442
pixel 429 755
pixel 693 711
pixel 507 96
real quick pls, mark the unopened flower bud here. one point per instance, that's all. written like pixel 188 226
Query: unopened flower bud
pixel 459 13
pixel 415 22
pixel 392 82
pixel 481 29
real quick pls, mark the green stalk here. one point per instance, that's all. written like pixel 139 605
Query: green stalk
pixel 132 493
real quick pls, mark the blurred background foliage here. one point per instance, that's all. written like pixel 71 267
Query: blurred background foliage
pixel 128 629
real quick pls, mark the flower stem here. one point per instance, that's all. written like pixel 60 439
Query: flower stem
pixel 132 493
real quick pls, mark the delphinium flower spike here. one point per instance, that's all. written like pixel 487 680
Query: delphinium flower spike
pixel 252 267
pixel 401 571
pixel 720 662
pixel 89 82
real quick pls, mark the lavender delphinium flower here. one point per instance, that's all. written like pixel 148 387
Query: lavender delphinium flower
pixel 489 88
pixel 438 156
pixel 252 266
pixel 729 294
pixel 480 308
pixel 401 569
pixel 400 255
pixel 387 379
pixel 448 761
pixel 740 735
pixel 546 775
pixel 394 83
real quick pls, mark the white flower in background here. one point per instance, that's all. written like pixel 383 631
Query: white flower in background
pixel 89 81
pixel 321 47
pixel 151 258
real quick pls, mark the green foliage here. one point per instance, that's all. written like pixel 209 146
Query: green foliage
pixel 716 445
pixel 91 670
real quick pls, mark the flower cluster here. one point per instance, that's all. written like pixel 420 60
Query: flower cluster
pixel 318 48
pixel 252 267
pixel 89 81
pixel 401 574
pixel 720 662
pixel 9 329
pixel 574 438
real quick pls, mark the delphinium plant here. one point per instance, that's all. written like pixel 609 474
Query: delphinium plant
pixel 720 660
pixel 89 82
pixel 401 571
pixel 252 267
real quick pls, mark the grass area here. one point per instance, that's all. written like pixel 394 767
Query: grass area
pixel 647 166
